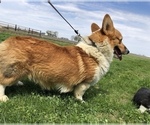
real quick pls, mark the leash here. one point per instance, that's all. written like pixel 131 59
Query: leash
pixel 76 31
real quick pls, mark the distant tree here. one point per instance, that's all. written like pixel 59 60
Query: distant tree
pixel 72 38
pixel 52 33
pixel 75 38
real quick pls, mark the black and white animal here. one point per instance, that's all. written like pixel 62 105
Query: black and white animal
pixel 142 99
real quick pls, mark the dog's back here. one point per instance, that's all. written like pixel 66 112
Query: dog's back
pixel 45 63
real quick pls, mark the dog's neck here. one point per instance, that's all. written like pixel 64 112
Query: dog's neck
pixel 106 49
pixel 103 47
pixel 88 41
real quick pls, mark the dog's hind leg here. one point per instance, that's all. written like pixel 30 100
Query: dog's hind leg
pixel 3 97
pixel 80 90
pixel 9 75
pixel 4 82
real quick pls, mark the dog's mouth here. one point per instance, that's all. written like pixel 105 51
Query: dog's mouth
pixel 117 53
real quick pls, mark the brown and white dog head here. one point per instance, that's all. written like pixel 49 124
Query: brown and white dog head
pixel 109 32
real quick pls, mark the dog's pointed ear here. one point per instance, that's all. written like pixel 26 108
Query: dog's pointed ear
pixel 107 25
pixel 94 27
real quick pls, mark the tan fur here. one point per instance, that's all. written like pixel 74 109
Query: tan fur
pixel 72 68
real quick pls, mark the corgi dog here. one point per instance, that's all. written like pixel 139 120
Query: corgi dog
pixel 70 68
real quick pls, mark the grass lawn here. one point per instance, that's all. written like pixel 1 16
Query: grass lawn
pixel 4 36
pixel 109 101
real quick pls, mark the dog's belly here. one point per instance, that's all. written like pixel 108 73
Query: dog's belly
pixel 62 80
pixel 63 88
pixel 51 84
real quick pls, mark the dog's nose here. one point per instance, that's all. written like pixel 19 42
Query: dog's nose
pixel 127 51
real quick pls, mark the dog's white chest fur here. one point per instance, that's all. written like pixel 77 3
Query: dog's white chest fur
pixel 102 54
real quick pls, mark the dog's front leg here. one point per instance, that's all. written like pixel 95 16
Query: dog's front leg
pixel 3 97
pixel 80 90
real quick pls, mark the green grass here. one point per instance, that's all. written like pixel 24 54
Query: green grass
pixel 4 36
pixel 109 101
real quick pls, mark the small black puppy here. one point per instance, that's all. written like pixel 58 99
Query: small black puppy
pixel 142 99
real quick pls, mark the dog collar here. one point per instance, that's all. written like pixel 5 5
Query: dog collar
pixel 92 43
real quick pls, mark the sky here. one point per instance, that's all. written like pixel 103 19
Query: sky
pixel 131 18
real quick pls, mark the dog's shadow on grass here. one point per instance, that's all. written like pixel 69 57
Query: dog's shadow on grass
pixel 29 87
pixel 95 91
pixel 25 89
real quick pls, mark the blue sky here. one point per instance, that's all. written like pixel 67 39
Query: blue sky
pixel 132 18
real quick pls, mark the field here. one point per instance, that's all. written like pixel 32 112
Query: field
pixel 109 101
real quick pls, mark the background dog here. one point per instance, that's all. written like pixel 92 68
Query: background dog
pixel 71 68
pixel 142 99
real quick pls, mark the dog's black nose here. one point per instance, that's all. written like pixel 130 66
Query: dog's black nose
pixel 126 50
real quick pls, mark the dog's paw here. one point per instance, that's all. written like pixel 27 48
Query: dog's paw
pixel 80 100
pixel 83 101
pixel 4 98
pixel 19 83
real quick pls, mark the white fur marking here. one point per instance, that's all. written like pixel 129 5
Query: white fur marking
pixel 102 52
pixel 62 88
pixel 142 109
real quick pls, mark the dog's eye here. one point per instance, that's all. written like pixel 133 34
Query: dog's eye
pixel 120 41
